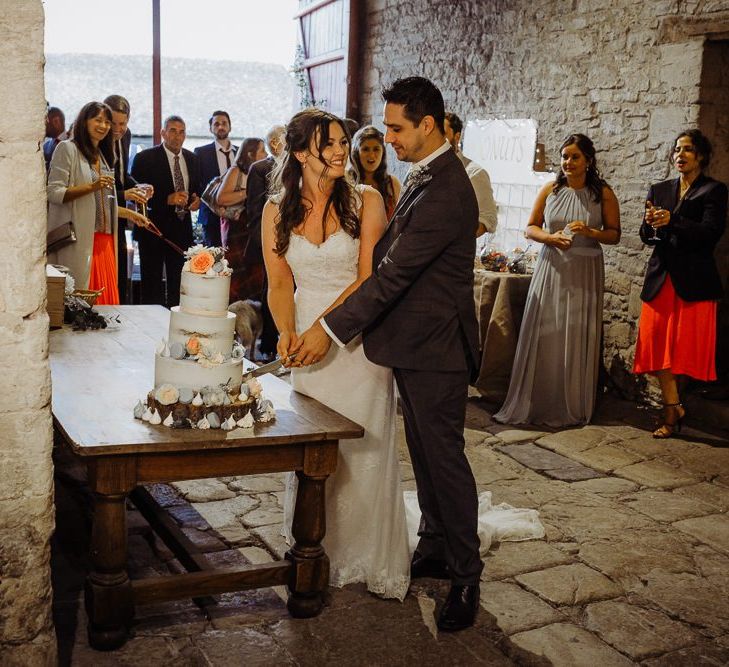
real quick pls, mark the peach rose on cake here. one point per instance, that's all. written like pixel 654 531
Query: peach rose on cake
pixel 193 345
pixel 202 262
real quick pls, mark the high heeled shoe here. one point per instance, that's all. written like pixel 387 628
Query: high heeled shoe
pixel 672 420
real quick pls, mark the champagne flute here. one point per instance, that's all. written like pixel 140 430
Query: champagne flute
pixel 654 237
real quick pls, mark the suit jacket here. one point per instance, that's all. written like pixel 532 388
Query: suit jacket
pixel 416 310
pixel 152 166
pixel 209 169
pixel 257 186
pixel 686 249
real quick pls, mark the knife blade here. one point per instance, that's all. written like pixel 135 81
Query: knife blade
pixel 270 367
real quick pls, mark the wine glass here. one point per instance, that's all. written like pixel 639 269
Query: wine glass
pixel 654 237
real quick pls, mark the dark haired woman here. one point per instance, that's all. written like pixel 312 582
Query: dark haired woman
pixel 554 376
pixel 684 220
pixel 368 155
pixel 81 190
pixel 319 232
pixel 247 279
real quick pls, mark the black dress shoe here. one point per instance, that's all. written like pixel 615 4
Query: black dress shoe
pixel 459 610
pixel 421 567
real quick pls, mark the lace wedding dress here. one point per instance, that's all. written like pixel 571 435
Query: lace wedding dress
pixel 366 534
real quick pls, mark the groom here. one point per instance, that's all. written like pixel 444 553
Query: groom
pixel 416 314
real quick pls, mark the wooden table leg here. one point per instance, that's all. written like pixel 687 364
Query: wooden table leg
pixel 310 564
pixel 109 601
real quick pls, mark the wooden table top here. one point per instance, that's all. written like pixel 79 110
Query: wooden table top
pixel 98 377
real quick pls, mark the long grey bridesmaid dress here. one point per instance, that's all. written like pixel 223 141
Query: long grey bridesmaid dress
pixel 554 376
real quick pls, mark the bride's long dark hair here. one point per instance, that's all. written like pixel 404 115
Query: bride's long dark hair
pixel 286 180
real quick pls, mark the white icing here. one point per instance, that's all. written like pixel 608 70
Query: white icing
pixel 214 333
pixel 155 418
pixel 197 401
pixel 147 415
pixel 206 295
pixel 230 421
pixel 203 424
pixel 168 420
pixel 188 373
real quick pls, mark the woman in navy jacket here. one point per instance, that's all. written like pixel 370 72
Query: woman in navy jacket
pixel 684 220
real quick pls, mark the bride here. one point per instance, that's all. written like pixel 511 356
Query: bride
pixel 318 233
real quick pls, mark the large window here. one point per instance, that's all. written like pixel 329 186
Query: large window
pixel 232 54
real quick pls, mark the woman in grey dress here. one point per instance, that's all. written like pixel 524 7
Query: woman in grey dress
pixel 554 376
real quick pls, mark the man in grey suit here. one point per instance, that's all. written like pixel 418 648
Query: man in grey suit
pixel 416 313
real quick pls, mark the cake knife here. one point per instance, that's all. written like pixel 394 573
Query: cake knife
pixel 270 367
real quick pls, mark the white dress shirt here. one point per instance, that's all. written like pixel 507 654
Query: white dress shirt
pixel 222 165
pixel 183 166
pixel 484 193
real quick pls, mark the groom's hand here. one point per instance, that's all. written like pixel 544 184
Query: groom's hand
pixel 313 345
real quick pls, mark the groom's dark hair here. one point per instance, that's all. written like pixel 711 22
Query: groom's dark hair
pixel 420 97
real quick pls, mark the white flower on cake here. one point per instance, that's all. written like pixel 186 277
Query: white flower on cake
pixel 254 387
pixel 247 421
pixel 167 394
pixel 206 261
pixel 213 360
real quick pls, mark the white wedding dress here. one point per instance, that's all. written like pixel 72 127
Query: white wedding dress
pixel 366 534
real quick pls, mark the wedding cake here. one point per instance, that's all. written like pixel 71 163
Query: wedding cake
pixel 198 369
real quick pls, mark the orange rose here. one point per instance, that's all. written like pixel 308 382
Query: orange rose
pixel 192 345
pixel 201 262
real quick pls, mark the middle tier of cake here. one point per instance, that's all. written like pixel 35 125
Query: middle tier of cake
pixel 213 333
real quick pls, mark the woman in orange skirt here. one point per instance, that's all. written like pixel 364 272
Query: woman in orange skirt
pixel 684 220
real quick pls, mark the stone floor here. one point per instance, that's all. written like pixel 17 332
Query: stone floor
pixel 634 568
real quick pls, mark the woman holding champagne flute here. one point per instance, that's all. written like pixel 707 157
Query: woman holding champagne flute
pixel 81 191
pixel 684 220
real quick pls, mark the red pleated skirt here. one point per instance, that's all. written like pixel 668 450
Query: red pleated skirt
pixel 103 270
pixel 677 335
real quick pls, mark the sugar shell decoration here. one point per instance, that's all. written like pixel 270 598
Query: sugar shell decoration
pixel 211 407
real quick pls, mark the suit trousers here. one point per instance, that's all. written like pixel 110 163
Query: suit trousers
pixel 434 412
pixel 154 256
pixel 121 260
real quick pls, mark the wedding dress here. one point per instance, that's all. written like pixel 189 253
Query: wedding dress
pixel 366 535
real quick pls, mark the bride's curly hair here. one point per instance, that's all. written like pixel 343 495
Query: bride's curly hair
pixel 593 179
pixel 305 126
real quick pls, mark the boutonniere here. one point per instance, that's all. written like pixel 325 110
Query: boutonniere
pixel 418 176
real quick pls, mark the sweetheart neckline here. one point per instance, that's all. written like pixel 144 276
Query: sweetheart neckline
pixel 318 245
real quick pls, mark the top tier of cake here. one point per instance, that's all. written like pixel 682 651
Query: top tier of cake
pixel 205 295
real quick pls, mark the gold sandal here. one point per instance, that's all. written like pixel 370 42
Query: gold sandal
pixel 672 420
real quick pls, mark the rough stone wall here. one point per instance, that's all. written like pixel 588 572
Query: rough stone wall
pixel 26 472
pixel 626 73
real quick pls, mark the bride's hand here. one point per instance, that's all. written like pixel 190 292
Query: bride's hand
pixel 287 342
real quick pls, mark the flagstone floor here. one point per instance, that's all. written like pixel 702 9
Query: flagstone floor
pixel 634 567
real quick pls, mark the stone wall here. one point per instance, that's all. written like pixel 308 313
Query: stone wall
pixel 626 73
pixel 26 472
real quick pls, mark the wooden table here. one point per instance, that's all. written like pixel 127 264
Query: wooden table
pixel 97 378
pixel 500 299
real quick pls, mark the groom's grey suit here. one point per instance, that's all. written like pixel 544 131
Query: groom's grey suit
pixel 417 315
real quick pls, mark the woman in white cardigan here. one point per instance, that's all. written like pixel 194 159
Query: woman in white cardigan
pixel 81 191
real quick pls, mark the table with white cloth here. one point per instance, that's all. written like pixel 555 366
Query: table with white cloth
pixel 500 299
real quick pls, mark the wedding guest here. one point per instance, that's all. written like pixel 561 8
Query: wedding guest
pixel 215 159
pixel 554 376
pixel 477 174
pixel 81 191
pixel 257 187
pixel 247 279
pixel 126 186
pixel 55 133
pixel 370 159
pixel 174 173
pixel 684 220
